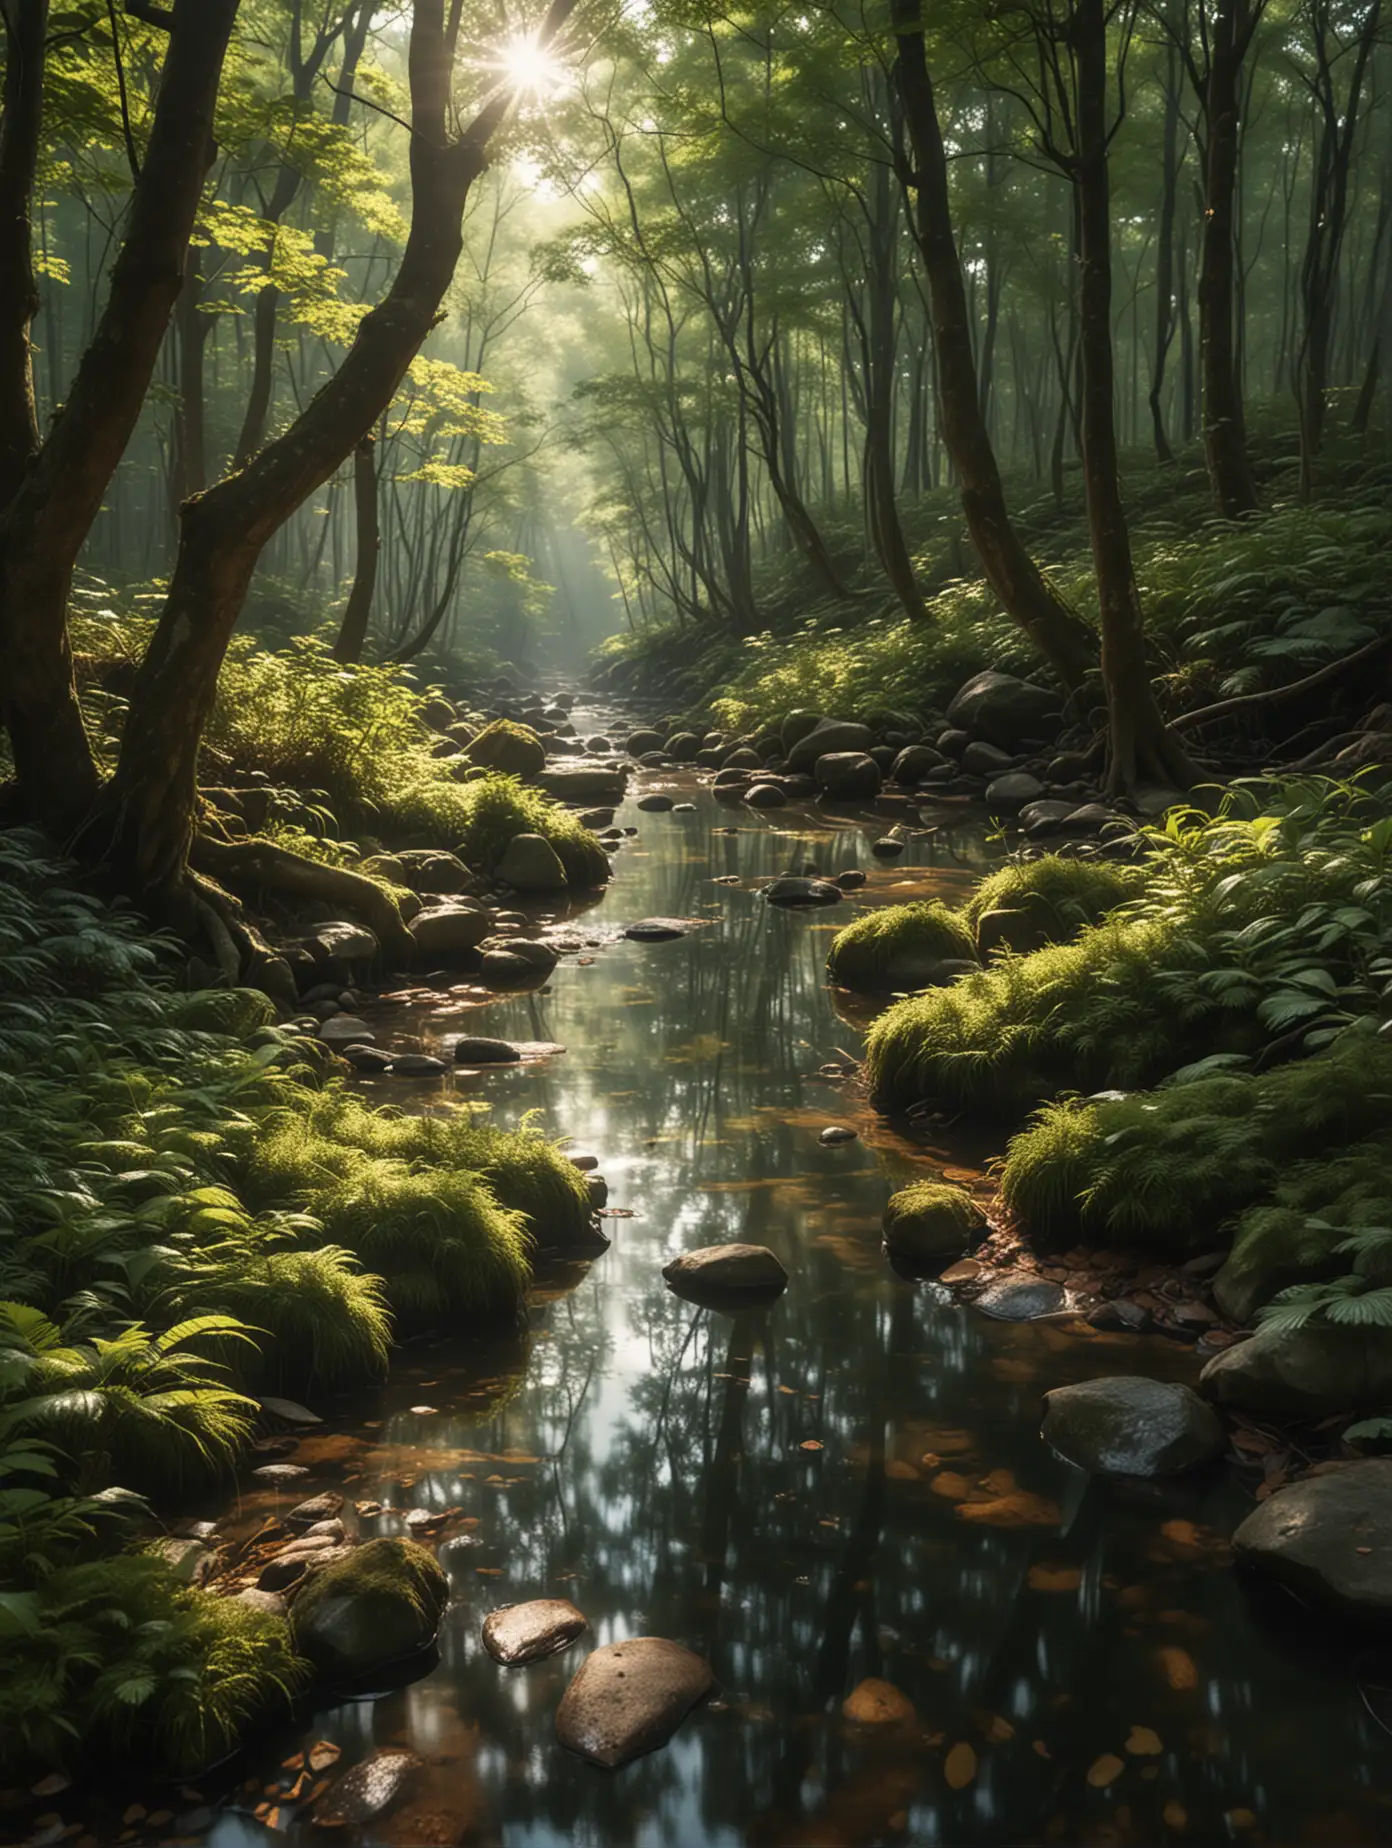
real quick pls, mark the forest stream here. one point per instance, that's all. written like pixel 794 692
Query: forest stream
pixel 847 1486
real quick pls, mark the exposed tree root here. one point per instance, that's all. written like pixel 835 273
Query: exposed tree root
pixel 1275 696
pixel 263 865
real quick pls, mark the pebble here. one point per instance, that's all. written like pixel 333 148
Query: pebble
pixel 835 1133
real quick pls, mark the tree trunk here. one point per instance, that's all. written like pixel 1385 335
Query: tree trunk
pixel 1224 419
pixel 20 128
pixel 1164 257
pixel 353 633
pixel 154 793
pixel 1061 637
pixel 1141 749
pixel 47 520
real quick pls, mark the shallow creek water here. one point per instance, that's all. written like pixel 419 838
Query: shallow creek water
pixel 849 1484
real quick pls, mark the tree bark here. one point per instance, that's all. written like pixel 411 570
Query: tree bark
pixel 45 523
pixel 1140 748
pixel 190 469
pixel 1061 637
pixel 353 633
pixel 1224 417
pixel 1170 159
pixel 154 793
pixel 25 27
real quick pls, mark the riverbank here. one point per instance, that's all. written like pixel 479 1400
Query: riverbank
pixel 846 1487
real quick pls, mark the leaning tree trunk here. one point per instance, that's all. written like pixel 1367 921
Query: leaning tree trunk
pixel 1224 417
pixel 1140 747
pixel 153 796
pixel 46 521
pixel 1164 258
pixel 353 632
pixel 20 126
pixel 1061 637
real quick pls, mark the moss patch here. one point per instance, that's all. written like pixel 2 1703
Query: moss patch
pixel 932 1222
pixel 900 946
pixel 1049 900
pixel 376 1604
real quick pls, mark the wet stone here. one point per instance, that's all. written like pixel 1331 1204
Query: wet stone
pixel 368 1058
pixel 476 1051
pixel 1329 1540
pixel 765 796
pixel 851 880
pixel 795 893
pixel 527 1632
pixel 418 1065
pixel 1131 1427
pixel 836 1133
pixel 629 1698
pixel 368 1790
pixel 877 1703
pixel 323 1507
pixel 655 804
pixel 279 1473
pixel 727 1270
pixel 1017 1296
pixel 655 930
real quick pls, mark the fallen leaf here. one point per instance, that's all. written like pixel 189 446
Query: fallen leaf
pixel 1041 1749
pixel 295 1762
pixel 996 1728
pixel 1054 1578
pixel 1178 1668
pixel 1144 1743
pixel 1253 1443
pixel 1022 1509
pixel 1176 1816
pixel 1241 1819
pixel 810 1443
pixel 322 1754
pixel 135 1813
pixel 951 1486
pixel 1105 1770
pixel 959 1767
pixel 899 1471
pixel 51 1785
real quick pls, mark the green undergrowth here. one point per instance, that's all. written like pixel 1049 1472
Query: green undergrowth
pixel 190 1215
pixel 1267 924
pixel 1228 608
pixel 345 752
pixel 1054 894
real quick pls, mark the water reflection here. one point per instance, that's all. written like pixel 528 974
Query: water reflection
pixel 848 1484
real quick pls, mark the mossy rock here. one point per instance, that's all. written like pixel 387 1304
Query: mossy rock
pixel 1027 904
pixel 504 745
pixel 901 947
pixel 239 1012
pixel 931 1223
pixel 379 1603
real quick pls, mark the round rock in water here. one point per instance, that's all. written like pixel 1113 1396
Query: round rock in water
pixel 1131 1427
pixel 1329 1540
pixel 851 880
pixel 280 1473
pixel 368 1058
pixel 629 1698
pixel 796 892
pixel 526 1632
pixel 418 1065
pixel 835 1133
pixel 1019 1296
pixel 727 1270
pixel 765 796
pixel 656 803
pixel 655 930
pixel 371 1787
pixel 485 1052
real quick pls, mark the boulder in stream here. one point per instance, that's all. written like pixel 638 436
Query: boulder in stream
pixel 475 1050
pixel 521 1633
pixel 655 930
pixel 931 1223
pixel 1020 1296
pixel 721 1271
pixel 828 736
pixel 449 930
pixel 1329 1540
pixel 629 1698
pixel 844 775
pixel 1304 1372
pixel 1131 1427
pixel 795 892
pixel 368 1790
pixel 765 796
pixel 370 1607
pixel 531 864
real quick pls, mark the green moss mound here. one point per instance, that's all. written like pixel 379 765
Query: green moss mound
pixel 507 746
pixel 376 1604
pixel 1049 900
pixel 900 946
pixel 1171 1170
pixel 932 1222
pixel 1238 932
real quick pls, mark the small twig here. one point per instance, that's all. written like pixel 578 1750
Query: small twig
pixel 131 155
pixel 366 102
